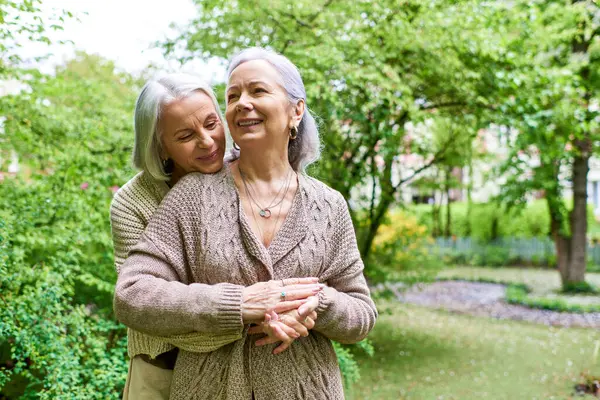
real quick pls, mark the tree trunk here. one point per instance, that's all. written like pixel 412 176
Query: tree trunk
pixel 561 241
pixel 578 216
pixel 575 272
pixel 448 232
pixel 469 197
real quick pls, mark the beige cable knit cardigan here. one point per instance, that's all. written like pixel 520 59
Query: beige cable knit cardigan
pixel 197 254
pixel 132 207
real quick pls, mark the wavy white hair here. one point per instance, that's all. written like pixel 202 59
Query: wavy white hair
pixel 306 148
pixel 155 94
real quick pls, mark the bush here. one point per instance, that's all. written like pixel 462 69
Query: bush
pixel 58 337
pixel 519 294
pixel 489 221
pixel 401 251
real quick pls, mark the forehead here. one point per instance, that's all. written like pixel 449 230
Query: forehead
pixel 255 70
pixel 197 103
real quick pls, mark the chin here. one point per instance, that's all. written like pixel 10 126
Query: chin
pixel 211 169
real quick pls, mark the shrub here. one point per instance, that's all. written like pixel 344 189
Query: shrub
pixel 489 221
pixel 401 251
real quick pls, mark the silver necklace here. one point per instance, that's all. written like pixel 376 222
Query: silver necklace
pixel 280 203
pixel 265 212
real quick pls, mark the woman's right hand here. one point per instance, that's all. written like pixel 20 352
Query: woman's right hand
pixel 264 297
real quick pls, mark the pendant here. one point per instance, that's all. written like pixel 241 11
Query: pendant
pixel 266 213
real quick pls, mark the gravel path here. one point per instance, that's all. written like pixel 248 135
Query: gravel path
pixel 487 300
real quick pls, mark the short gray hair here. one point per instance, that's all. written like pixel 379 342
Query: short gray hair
pixel 156 93
pixel 306 148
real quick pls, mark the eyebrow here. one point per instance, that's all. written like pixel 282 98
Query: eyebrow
pixel 209 116
pixel 251 83
pixel 182 130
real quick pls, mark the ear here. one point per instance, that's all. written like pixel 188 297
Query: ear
pixel 162 153
pixel 298 112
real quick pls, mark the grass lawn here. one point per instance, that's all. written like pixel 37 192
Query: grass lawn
pixel 543 283
pixel 426 354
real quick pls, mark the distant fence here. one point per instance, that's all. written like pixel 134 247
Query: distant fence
pixel 505 251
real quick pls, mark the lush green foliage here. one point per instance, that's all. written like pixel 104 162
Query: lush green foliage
pixel 22 22
pixel 402 251
pixel 488 221
pixel 370 68
pixel 72 134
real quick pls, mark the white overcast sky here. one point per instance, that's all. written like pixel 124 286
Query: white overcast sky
pixel 123 31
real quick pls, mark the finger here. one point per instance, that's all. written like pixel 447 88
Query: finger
pixel 274 316
pixel 285 344
pixel 297 326
pixel 308 323
pixel 282 329
pixel 313 315
pixel 287 305
pixel 291 293
pixel 266 340
pixel 281 348
pixel 309 306
pixel 274 334
pixel 299 281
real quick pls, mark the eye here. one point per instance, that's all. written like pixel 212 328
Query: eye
pixel 231 96
pixel 212 125
pixel 260 90
pixel 186 136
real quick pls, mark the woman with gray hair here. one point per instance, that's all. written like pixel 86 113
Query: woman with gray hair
pixel 178 129
pixel 212 255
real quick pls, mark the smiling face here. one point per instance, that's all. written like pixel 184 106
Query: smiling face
pixel 258 108
pixel 192 135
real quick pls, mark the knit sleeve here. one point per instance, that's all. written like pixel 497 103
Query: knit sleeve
pixel 155 291
pixel 127 228
pixel 346 312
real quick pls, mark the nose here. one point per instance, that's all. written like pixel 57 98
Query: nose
pixel 244 102
pixel 204 140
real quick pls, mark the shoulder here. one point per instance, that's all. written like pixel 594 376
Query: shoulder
pixel 318 191
pixel 196 189
pixel 141 192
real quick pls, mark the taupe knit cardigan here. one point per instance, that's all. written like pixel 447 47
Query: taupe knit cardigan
pixel 132 207
pixel 197 254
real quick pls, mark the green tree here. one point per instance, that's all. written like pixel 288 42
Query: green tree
pixel 370 68
pixel 72 134
pixel 554 105
pixel 23 22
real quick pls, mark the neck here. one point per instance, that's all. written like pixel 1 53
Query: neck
pixel 266 166
pixel 175 177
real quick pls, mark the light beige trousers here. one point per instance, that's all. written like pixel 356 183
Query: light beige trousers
pixel 147 382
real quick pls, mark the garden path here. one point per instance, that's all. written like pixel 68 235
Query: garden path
pixel 487 300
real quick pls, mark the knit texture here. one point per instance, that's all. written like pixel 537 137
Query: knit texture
pixel 197 254
pixel 131 209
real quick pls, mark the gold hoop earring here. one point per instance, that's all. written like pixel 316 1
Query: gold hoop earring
pixel 293 133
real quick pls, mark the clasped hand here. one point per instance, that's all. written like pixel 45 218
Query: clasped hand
pixel 283 310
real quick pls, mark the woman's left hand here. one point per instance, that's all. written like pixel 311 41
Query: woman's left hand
pixel 287 326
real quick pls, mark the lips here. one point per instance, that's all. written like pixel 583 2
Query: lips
pixel 249 122
pixel 209 156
